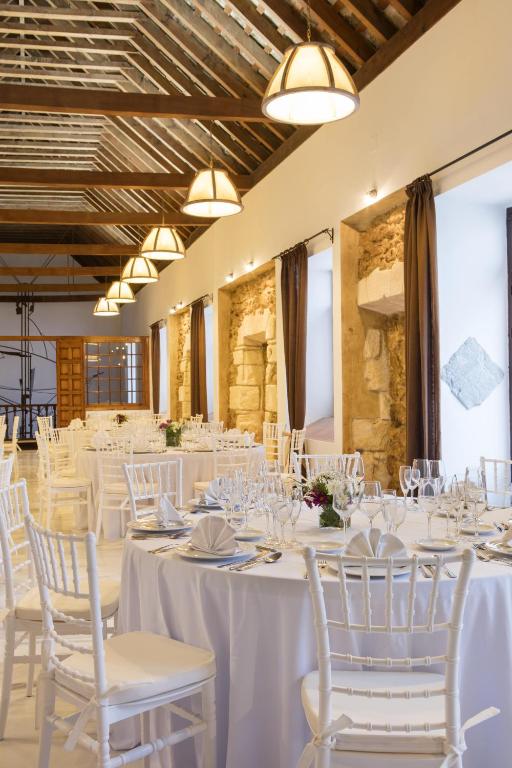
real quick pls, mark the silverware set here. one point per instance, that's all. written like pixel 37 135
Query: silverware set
pixel 485 556
pixel 428 571
pixel 267 555
pixel 322 565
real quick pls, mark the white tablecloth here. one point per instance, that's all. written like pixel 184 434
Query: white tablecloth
pixel 197 467
pixel 259 623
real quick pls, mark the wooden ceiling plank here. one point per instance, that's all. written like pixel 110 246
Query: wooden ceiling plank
pixel 371 17
pixel 355 46
pixel 58 271
pixel 69 32
pixel 77 61
pixel 74 217
pixel 68 14
pixel 406 8
pixel 96 288
pixel 69 249
pixel 63 76
pixel 262 23
pixel 31 98
pixel 48 43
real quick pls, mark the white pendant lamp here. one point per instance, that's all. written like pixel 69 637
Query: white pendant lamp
pixel 163 244
pixel 120 292
pixel 212 193
pixel 310 86
pixel 138 269
pixel 105 308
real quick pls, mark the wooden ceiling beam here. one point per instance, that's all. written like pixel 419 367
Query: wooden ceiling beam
pixel 59 271
pixel 70 249
pixel 68 14
pixel 69 32
pixel 406 8
pixel 96 288
pixel 262 24
pixel 376 22
pixel 73 101
pixel 106 180
pixel 356 47
pixel 47 43
pixel 101 218
pixel 63 75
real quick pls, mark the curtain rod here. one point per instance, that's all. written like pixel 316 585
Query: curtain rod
pixel 327 231
pixel 186 306
pixel 471 152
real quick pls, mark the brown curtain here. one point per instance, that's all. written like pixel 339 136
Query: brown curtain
pixel 294 293
pixel 421 323
pixel 198 361
pixel 155 365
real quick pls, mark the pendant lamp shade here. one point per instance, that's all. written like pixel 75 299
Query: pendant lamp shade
pixel 138 269
pixel 310 86
pixel 105 308
pixel 163 244
pixel 120 292
pixel 212 193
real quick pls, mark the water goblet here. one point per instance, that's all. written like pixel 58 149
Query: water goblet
pixel 371 500
pixel 389 502
pixel 297 500
pixel 404 476
pixel 427 499
pixel 423 466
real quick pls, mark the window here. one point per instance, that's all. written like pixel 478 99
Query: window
pixel 164 371
pixel 208 334
pixel 115 372
pixel 319 356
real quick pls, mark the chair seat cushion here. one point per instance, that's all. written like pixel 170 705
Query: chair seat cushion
pixel 69 482
pixel 29 606
pixel 363 709
pixel 140 665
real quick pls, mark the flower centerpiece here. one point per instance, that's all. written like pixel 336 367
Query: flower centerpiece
pixel 319 491
pixel 121 418
pixel 173 430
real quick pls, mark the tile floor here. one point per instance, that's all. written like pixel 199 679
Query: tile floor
pixel 20 746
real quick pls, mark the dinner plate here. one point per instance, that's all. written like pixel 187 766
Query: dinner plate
pixel 437 545
pixel 204 505
pixel 500 547
pixel 249 534
pixel 244 552
pixel 151 525
pixel 373 572
pixel 484 529
pixel 325 547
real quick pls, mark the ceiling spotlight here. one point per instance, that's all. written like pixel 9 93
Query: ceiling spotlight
pixel 172 311
pixel 179 305
pixel 230 277
pixel 249 266
pixel 371 196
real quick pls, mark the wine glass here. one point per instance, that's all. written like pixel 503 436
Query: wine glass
pixel 297 500
pixel 423 466
pixel 474 493
pixel 371 500
pixel 427 499
pixel 282 511
pixel 344 502
pixel 404 476
pixel 389 502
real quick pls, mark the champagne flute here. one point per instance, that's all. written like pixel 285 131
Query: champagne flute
pixel 297 500
pixel 427 493
pixel 371 500
pixel 389 502
pixel 404 476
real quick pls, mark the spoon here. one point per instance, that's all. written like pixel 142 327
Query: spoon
pixel 270 558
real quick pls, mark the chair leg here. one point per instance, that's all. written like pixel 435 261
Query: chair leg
pixel 323 757
pixel 10 634
pixel 102 726
pixel 47 694
pixel 31 663
pixel 146 737
pixel 210 735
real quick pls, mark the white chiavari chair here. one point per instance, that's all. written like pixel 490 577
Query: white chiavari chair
pixel 44 424
pixel 56 490
pixel 297 440
pixel 497 479
pixel 148 482
pixel 213 427
pixel 6 466
pixel 11 447
pixel 231 452
pixel 274 441
pixel 313 464
pixel 393 706
pixel 112 494
pixel 22 616
pixel 2 419
pixel 111 679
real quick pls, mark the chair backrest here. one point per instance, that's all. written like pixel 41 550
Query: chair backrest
pixel 148 482
pixel 228 460
pixel 215 427
pixel 371 608
pixel 18 574
pixel 57 558
pixel 110 460
pixel 44 424
pixel 318 464
pixel 497 479
pixel 6 471
pixel 274 441
pixel 3 429
pixel 15 429
pixel 2 418
pixel 297 440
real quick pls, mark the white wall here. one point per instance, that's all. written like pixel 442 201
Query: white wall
pixel 472 265
pixel 437 101
pixel 319 352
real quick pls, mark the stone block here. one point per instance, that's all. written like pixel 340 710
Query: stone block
pixel 250 374
pixel 250 421
pixel 185 410
pixel 244 398
pixel 376 374
pixel 372 344
pixel 271 373
pixel 270 416
pixel 184 365
pixel 270 328
pixel 271 397
pixel 271 353
pixel 186 378
pixel 471 374
pixel 370 434
pixel 384 405
pixel 383 290
pixel 248 355
pixel 183 393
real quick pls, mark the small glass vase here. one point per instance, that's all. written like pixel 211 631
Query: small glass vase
pixel 172 438
pixel 330 519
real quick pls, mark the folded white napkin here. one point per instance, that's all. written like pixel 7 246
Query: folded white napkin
pixel 76 424
pixel 100 439
pixel 212 493
pixel 214 535
pixel 166 512
pixel 506 538
pixel 373 543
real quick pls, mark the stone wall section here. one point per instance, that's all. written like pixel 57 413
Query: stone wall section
pixel 252 346
pixel 182 379
pixel 374 354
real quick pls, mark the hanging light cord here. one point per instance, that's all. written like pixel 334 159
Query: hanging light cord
pixel 308 21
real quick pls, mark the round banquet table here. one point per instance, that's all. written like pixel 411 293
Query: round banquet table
pixel 259 623
pixel 197 467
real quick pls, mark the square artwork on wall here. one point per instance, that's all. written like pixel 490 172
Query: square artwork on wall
pixel 471 374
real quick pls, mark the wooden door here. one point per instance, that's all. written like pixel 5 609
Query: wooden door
pixel 70 380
